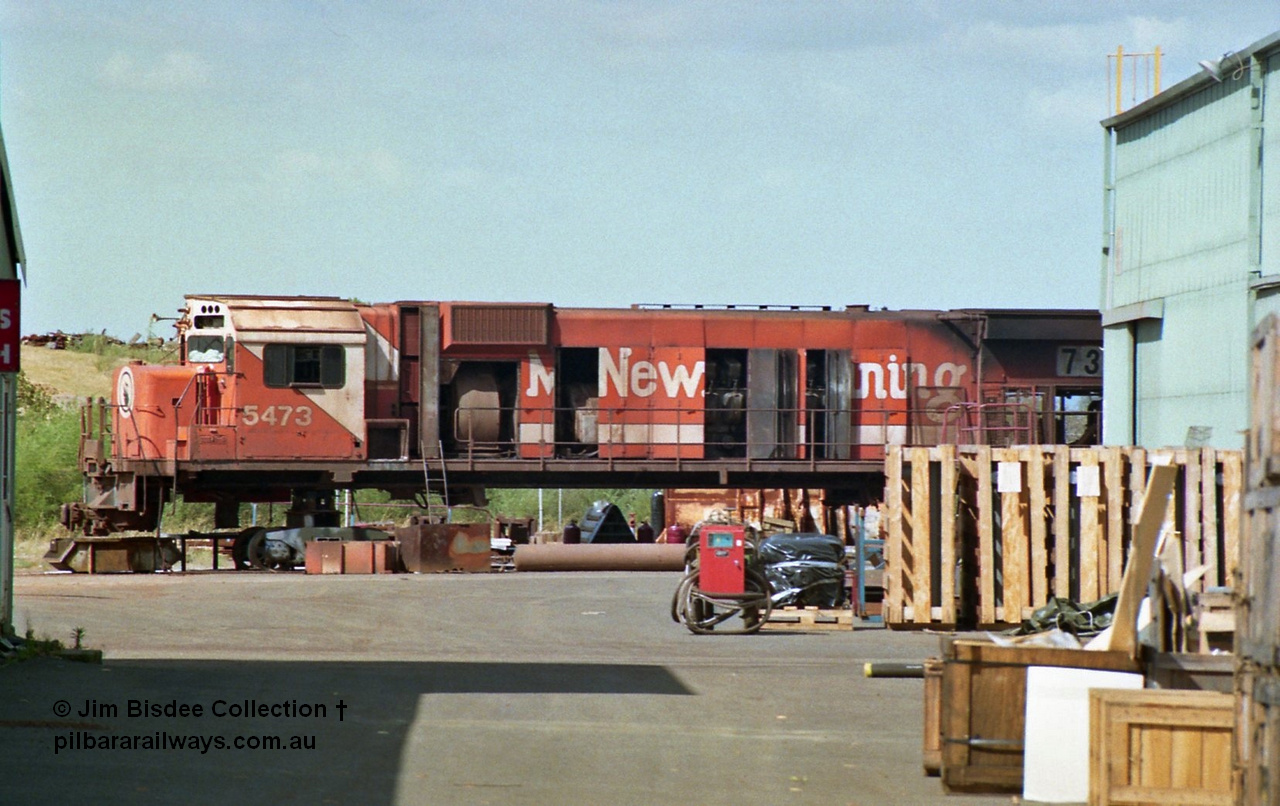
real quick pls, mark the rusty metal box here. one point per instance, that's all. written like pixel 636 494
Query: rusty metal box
pixel 438 547
pixel 357 557
pixel 324 557
pixel 386 557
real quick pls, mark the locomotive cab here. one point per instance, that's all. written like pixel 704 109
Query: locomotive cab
pixel 258 379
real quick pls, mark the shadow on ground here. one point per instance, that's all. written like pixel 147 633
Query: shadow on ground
pixel 67 727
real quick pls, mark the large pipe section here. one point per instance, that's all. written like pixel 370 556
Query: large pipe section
pixel 601 557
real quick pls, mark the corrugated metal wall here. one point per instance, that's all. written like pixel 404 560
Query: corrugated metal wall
pixel 1183 189
pixel 1271 170
pixel 1268 299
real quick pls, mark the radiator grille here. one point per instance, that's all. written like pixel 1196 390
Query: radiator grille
pixel 500 324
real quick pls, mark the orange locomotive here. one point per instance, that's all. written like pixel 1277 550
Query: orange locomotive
pixel 294 398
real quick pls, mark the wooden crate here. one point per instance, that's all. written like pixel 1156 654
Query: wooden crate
pixel 1257 623
pixel 977 535
pixel 1257 637
pixel 1257 746
pixel 984 696
pixel 1190 671
pixel 932 751
pixel 1215 622
pixel 1160 747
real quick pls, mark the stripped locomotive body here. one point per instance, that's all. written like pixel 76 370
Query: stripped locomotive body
pixel 291 399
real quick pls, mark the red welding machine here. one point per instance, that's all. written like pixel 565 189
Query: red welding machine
pixel 722 559
pixel 720 583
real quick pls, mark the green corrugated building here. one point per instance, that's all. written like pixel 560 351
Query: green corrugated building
pixel 1191 251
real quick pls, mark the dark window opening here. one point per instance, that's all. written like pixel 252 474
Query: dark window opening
pixel 286 365
pixel 577 398
pixel 726 404
pixel 206 349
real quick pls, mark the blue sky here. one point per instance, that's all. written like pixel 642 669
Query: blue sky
pixel 905 155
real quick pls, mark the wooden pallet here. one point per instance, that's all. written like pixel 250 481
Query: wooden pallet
pixel 810 618
pixel 1044 521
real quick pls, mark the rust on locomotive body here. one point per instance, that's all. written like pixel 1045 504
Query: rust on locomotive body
pixel 274 396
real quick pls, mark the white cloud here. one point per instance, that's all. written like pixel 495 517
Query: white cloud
pixel 175 70
pixel 1072 45
pixel 1170 35
pixel 1068 110
pixel 383 166
pixel 295 163
pixel 295 169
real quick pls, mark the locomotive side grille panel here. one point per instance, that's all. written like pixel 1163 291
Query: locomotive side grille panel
pixel 524 325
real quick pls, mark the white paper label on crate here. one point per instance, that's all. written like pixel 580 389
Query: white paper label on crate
pixel 1009 477
pixel 1088 481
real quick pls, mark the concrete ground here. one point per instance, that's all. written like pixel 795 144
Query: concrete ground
pixel 565 688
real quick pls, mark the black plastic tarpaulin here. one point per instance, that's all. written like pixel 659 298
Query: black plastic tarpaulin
pixel 804 570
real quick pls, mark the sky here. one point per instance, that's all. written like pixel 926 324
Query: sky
pixel 894 154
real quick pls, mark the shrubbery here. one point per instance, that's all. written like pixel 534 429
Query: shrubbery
pixel 48 444
pixel 524 503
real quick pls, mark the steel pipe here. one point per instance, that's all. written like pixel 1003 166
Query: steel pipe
pixel 893 670
pixel 602 557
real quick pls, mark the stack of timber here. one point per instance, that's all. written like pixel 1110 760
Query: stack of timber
pixel 982 536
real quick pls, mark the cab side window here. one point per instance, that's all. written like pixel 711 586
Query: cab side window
pixel 304 365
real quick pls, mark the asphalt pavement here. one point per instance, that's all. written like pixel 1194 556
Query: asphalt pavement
pixel 516 688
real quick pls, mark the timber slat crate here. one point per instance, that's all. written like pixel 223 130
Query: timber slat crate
pixel 983 715
pixel 1257 639
pixel 931 752
pixel 980 535
pixel 1160 747
pixel 1257 713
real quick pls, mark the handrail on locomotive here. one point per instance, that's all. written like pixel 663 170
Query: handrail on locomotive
pixel 1000 424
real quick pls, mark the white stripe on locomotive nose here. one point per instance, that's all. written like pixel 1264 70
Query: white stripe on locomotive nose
pixel 345 405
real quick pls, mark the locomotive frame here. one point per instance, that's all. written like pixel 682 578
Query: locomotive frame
pixel 291 399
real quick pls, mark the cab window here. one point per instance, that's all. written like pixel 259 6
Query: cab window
pixel 206 349
pixel 314 365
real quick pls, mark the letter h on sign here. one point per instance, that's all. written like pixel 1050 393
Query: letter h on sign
pixel 10 337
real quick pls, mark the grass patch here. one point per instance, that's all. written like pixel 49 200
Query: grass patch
pixel 29 549
pixel 48 472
